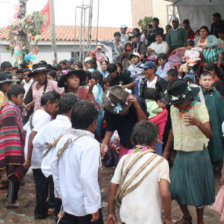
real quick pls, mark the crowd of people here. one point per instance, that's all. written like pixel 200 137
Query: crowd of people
pixel 64 121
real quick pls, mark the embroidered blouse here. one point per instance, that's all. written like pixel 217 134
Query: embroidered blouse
pixel 189 138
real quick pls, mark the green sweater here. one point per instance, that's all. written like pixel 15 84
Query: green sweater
pixel 177 38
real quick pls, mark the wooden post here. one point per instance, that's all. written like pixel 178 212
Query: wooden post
pixel 53 34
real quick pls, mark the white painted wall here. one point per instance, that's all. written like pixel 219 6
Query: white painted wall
pixel 64 51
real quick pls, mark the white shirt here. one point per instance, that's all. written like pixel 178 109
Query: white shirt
pixel 136 70
pixel 48 134
pixel 26 85
pixel 76 173
pixel 143 205
pixel 158 48
pixel 152 84
pixel 39 119
pixel 194 53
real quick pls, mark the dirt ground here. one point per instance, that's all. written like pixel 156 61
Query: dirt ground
pixel 24 214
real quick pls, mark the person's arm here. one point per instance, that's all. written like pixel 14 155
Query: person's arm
pixel 165 48
pixel 168 40
pixel 213 41
pixel 55 175
pixel 130 85
pixel 89 168
pixel 107 43
pixel 27 163
pixel 168 144
pixel 185 37
pixel 111 218
pixel 29 106
pixel 141 115
pixel 91 97
pixel 204 127
pixel 105 142
pixel 166 199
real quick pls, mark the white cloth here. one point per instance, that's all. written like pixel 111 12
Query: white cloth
pixel 223 128
pixel 158 48
pixel 48 134
pixel 39 119
pixel 75 174
pixel 136 70
pixel 143 205
pixel 26 85
pixel 152 84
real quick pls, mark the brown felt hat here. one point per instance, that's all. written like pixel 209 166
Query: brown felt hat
pixel 115 100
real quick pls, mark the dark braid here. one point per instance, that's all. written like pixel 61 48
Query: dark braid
pixel 45 85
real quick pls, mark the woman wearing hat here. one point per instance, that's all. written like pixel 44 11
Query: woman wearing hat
pixel 41 85
pixel 192 182
pixel 74 80
pixel 122 112
pixel 5 82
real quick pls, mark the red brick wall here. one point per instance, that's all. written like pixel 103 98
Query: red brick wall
pixel 140 9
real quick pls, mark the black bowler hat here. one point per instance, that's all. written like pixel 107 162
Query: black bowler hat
pixel 178 91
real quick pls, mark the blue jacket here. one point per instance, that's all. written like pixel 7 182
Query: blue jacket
pixel 213 41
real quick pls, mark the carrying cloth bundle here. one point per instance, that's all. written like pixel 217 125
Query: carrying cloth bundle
pixel 67 143
pixel 125 188
pixel 49 146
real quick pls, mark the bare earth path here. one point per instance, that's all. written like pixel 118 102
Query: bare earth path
pixel 24 214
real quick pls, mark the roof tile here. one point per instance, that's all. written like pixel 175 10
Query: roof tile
pixel 70 33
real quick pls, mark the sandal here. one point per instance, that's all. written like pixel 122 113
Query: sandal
pixel 184 220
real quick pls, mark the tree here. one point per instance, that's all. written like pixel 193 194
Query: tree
pixel 143 22
pixel 24 34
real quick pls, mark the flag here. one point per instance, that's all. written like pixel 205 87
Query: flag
pixel 46 11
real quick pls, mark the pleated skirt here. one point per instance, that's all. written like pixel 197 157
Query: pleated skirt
pixel 192 180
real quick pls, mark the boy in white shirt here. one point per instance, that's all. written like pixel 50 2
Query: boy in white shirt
pixel 48 136
pixel 136 71
pixel 143 180
pixel 49 107
pixel 75 170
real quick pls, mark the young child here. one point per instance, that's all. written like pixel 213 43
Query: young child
pixel 48 136
pixel 126 56
pixel 147 189
pixel 172 75
pixel 191 58
pixel 164 66
pixel 75 170
pixel 215 105
pixel 11 138
pixel 98 95
pixel 136 72
pixel 48 109
pixel 157 114
pixel 73 81
pixel 6 81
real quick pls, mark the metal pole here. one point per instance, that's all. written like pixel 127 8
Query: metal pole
pixel 75 56
pixel 90 24
pixel 84 35
pixel 53 34
pixel 97 28
pixel 81 34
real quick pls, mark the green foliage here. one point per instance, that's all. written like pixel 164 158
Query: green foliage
pixel 143 22
pixel 24 35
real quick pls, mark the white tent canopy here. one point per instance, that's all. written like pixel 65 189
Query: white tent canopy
pixel 199 12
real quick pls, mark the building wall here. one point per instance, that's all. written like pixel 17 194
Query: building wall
pixel 45 53
pixel 160 11
pixel 140 9
pixel 155 8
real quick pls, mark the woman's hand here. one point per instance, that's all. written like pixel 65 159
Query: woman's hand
pixel 111 219
pixel 190 120
pixel 92 83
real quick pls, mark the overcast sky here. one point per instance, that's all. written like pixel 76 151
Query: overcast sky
pixel 113 13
